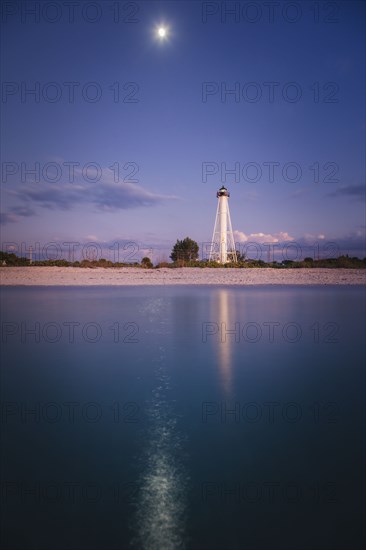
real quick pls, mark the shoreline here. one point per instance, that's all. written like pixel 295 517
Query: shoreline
pixel 129 276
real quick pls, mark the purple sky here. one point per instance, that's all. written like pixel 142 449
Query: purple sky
pixel 268 100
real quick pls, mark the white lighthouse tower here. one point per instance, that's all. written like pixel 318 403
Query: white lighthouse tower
pixel 223 244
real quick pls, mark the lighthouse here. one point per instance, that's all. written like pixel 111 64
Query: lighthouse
pixel 223 244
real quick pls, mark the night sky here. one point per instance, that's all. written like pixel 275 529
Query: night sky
pixel 265 98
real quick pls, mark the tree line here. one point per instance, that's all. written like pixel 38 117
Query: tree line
pixel 185 254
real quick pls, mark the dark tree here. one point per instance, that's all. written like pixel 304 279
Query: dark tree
pixel 240 257
pixel 146 262
pixel 185 250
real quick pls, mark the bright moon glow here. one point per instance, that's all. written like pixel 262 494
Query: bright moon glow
pixel 162 32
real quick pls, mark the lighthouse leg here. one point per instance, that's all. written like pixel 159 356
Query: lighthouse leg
pixel 223 229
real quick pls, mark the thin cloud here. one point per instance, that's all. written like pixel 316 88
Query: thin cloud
pixel 15 213
pixel 104 196
pixel 352 191
pixel 282 236
pixel 23 211
pixel 7 217
pixel 300 193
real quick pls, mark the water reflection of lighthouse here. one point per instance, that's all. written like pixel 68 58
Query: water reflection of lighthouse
pixel 225 342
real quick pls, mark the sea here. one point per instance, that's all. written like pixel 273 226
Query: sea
pixel 183 417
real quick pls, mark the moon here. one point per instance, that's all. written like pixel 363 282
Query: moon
pixel 162 32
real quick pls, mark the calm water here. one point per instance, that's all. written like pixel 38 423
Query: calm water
pixel 132 418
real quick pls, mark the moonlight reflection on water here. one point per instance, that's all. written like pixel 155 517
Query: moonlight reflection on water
pixel 161 506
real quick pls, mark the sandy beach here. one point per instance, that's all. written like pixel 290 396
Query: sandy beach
pixel 74 276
